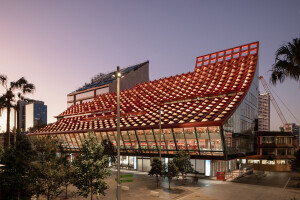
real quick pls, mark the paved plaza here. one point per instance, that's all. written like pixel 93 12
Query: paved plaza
pixel 273 186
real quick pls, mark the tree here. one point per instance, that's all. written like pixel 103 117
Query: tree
pixel 68 173
pixel 15 178
pixel 15 91
pixel 91 168
pixel 170 172
pixel 48 170
pixel 38 126
pixel 156 169
pixel 109 150
pixel 287 62
pixel 296 161
pixel 183 163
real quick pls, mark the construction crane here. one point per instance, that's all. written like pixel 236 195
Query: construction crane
pixel 265 85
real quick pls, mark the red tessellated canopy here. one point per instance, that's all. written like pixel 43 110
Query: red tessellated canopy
pixel 208 96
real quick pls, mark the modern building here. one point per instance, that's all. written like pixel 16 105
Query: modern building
pixel 264 112
pixel 294 128
pixel 210 113
pixel 22 115
pixel 274 152
pixel 106 83
pixel 35 114
pixel 296 132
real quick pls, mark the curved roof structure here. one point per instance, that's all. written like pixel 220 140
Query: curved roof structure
pixel 208 96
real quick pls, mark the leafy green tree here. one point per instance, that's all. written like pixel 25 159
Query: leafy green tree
pixel 68 173
pixel 296 161
pixel 48 170
pixel 287 62
pixel 38 126
pixel 14 92
pixel 109 150
pixel 156 169
pixel 91 168
pixel 183 163
pixel 15 176
pixel 170 172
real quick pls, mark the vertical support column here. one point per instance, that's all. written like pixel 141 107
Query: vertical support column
pixel 195 130
pixel 175 142
pixel 223 142
pixel 138 141
pixel 186 146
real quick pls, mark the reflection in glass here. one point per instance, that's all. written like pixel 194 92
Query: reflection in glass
pixel 163 143
pixel 180 140
pixel 151 141
pixel 191 140
pixel 142 140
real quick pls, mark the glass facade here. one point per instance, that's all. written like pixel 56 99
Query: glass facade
pixel 195 141
pixel 239 129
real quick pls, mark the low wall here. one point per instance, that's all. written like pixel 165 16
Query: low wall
pixel 275 168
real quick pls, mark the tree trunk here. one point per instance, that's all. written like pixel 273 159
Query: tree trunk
pixel 48 195
pixel 169 184
pixel 18 118
pixel 7 135
pixel 18 194
pixel 156 181
pixel 66 191
pixel 91 190
pixel 15 127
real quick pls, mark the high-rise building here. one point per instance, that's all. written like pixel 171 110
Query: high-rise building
pixel 35 114
pixel 22 115
pixel 264 112
pixel 209 113
pixel 106 83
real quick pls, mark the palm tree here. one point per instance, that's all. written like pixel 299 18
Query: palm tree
pixel 9 99
pixel 287 62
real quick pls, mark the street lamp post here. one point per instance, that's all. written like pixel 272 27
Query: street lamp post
pixel 118 76
pixel 160 132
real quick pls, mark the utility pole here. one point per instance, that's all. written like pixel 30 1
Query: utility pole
pixel 118 76
pixel 160 132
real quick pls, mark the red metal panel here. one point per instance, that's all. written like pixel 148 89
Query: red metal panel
pixel 207 96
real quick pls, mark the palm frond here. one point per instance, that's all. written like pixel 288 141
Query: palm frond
pixel 287 62
pixel 3 79
pixel 19 83
pixel 28 88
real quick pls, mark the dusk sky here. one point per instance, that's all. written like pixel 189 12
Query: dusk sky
pixel 60 45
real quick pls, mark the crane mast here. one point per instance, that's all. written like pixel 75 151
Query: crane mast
pixel 265 85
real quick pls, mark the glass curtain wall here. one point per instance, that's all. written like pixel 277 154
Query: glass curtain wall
pixel 239 129
pixel 194 140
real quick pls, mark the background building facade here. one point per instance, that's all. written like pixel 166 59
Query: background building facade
pixel 275 149
pixel 106 83
pixel 264 112
pixel 35 114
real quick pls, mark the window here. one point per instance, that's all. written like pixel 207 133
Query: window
pixel 280 140
pixel 268 151
pixel 268 140
pixel 281 152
